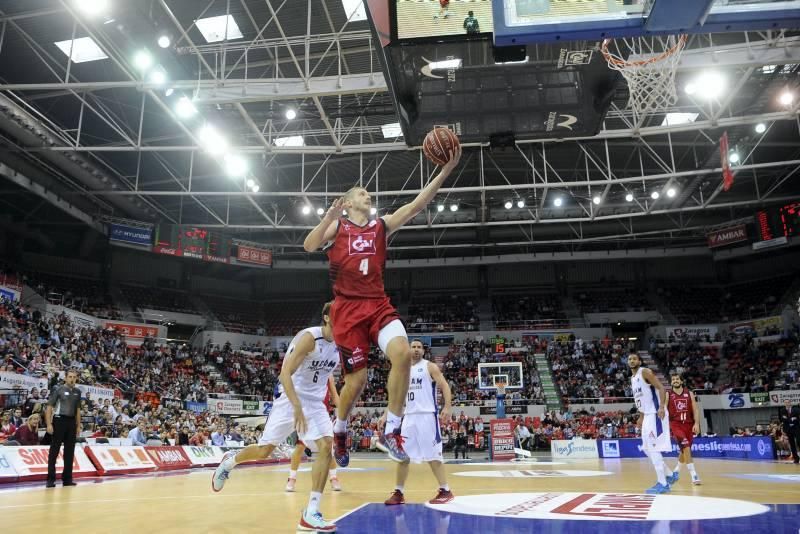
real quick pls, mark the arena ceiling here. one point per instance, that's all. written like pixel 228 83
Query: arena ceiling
pixel 99 140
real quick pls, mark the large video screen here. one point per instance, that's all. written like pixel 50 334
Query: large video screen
pixel 440 18
pixel 192 242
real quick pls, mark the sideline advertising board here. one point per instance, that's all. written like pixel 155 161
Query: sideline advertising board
pixel 30 462
pixel 753 448
pixel 502 439
pixel 203 456
pixel 168 458
pixel 120 460
pixel 574 448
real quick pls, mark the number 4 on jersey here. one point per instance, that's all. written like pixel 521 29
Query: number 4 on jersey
pixel 364 266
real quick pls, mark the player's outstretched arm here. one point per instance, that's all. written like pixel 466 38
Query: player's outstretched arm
pixel 407 212
pixel 326 229
pixel 438 377
pixel 298 350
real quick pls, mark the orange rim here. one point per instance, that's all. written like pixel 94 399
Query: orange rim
pixel 655 59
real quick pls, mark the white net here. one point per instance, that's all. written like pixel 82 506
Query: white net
pixel 648 65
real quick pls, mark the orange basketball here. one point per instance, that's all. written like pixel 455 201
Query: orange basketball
pixel 439 144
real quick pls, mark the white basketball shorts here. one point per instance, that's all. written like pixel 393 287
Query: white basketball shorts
pixel 655 433
pixel 422 440
pixel 280 423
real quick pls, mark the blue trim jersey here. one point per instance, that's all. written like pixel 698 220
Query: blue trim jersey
pixel 421 396
pixel 644 394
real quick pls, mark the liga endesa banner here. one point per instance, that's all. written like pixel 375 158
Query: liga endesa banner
pixel 203 456
pixel 132 329
pixel 30 463
pixel 257 256
pixel 726 236
pixel 7 473
pixel 574 448
pixel 753 448
pixel 167 458
pixel 119 460
pixel 502 439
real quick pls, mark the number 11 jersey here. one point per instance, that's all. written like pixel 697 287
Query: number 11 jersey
pixel 357 258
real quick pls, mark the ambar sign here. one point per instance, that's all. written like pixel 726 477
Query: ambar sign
pixel 727 236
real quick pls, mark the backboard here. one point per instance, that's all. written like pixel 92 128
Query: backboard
pixel 489 374
pixel 531 21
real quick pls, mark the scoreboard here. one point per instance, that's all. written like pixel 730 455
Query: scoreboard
pixel 776 223
pixel 192 242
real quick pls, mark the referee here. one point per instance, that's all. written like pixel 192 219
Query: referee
pixel 63 417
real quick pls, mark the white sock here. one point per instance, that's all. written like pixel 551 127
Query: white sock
pixel 445 487
pixel 690 467
pixel 658 463
pixel 313 502
pixel 332 473
pixel 292 473
pixel 392 422
pixel 340 426
pixel 399 488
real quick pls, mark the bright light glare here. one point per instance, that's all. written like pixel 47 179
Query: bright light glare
pixel 709 85
pixel 237 166
pixel 320 212
pixel 508 204
pixel 143 60
pixel 306 210
pixel 734 157
pixel 453 207
pixel 597 200
pixel 373 211
pixel 446 64
pixel 158 77
pixel 214 28
pixel 256 188
pixel 786 98
pixel 212 141
pixel 92 7
pixel 674 119
pixel 392 130
pixel 292 140
pixel 761 127
pixel 558 202
pixel 184 108
pixel 440 208
pixel 520 203
pixel 354 9
pixel 629 197
pixel 291 114
pixel 654 195
pixel 164 41
pixel 671 192
pixel 250 183
pixel 81 50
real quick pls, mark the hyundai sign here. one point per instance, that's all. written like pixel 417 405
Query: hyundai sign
pixel 130 235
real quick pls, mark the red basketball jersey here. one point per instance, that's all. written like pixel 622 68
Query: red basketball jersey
pixel 680 407
pixel 358 259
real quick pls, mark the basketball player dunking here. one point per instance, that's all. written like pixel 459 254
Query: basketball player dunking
pixel 310 360
pixel 420 428
pixel 361 311
pixel 684 424
pixel 651 400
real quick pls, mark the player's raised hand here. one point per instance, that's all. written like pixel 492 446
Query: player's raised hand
pixel 300 423
pixel 455 157
pixel 335 211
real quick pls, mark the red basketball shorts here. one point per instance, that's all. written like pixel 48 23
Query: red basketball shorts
pixel 356 325
pixel 682 433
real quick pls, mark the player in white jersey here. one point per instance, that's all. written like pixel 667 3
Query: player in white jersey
pixel 422 440
pixel 310 360
pixel 651 401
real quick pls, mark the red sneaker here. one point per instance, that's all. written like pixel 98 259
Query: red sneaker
pixel 396 498
pixel 340 453
pixel 443 497
pixel 392 444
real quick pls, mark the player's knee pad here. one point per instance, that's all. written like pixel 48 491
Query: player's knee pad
pixel 389 332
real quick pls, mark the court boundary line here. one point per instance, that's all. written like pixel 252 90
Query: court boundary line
pixel 354 510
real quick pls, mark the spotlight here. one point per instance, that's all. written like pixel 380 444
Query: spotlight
pixel 184 108
pixel 761 127
pixel 508 204
pixel 786 98
pixel 256 188
pixel 306 210
pixel 629 197
pixel 520 203
pixel 453 207
pixel 237 166
pixel 344 212
pixel 143 60
pixel 169 91
pixel 654 195
pixel 164 41
pixel 440 208
pixel 558 201
pixel 597 200
pixel 250 183
pixel 320 212
pixel 291 114
pixel 671 192
pixel 734 157
pixel 709 85
pixel 373 211
pixel 212 141
pixel 158 77
pixel 92 7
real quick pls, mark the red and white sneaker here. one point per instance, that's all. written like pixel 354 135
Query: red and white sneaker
pixel 314 523
pixel 335 484
pixel 340 452
pixel 396 497
pixel 443 497
pixel 290 484
pixel 392 444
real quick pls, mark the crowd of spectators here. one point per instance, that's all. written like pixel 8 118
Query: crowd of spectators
pixel 511 312
pixel 756 366
pixel 696 362
pixel 443 314
pixel 612 300
pixel 590 370
pixel 535 433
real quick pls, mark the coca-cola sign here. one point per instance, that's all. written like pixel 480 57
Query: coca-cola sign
pixel 727 236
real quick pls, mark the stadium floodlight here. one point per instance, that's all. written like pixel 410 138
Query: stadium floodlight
pixel 521 203
pixel 453 207
pixel 440 208
pixel 671 192
pixel 291 114
pixel 597 200
pixel 158 77
pixel 306 209
pixel 143 60
pixel 184 108
pixel 558 201
pixel 320 212
pixel 92 7
pixel 81 50
pixel 734 157
pixel 169 91
pixel 164 41
pixel 212 141
pixel 629 197
pixel 761 127
pixel 256 188
pixel 709 85
pixel 215 29
pixel 250 183
pixel 786 98
pixel 508 204
pixel 654 195
pixel 236 166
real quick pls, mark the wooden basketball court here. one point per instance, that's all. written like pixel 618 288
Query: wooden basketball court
pixel 254 500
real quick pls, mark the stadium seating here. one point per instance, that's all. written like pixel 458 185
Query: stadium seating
pixel 601 300
pixel 447 313
pixel 521 310
pixel 158 299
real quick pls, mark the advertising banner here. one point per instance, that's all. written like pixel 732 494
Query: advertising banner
pixel 30 462
pixel 97 393
pixel 9 294
pixel 729 401
pixel 727 236
pixel 757 326
pixel 251 407
pixel 760 398
pixel 574 448
pixel 119 460
pixel 132 235
pixel 196 407
pixel 203 456
pixel 10 281
pixel 514 409
pixel 776 398
pixel 135 330
pixel 167 458
pixel 16 381
pixel 7 473
pixel 754 448
pixel 679 332
pixel 502 439
pixel 254 255
pixel 172 404
pixel 225 406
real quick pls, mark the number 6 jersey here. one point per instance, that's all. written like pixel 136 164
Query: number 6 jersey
pixel 358 259
pixel 311 378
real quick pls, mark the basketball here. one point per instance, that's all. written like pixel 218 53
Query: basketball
pixel 439 144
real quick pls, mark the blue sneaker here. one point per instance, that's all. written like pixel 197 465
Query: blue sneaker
pixel 658 489
pixel 392 444
pixel 340 453
pixel 673 478
pixel 222 472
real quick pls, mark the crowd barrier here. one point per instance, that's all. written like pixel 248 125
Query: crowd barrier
pixel 18 464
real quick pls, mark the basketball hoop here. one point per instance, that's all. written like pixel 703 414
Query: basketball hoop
pixel 501 388
pixel 649 71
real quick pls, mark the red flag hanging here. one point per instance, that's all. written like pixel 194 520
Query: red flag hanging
pixel 724 150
